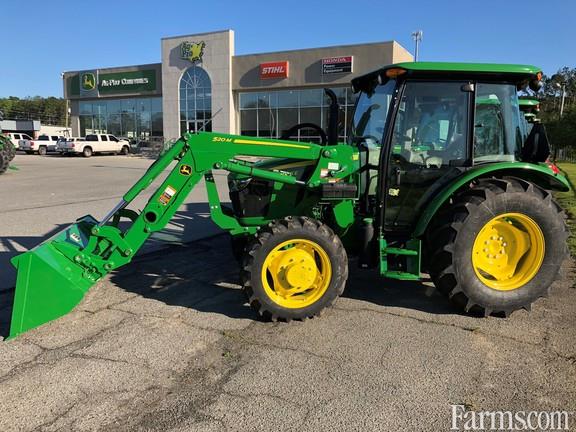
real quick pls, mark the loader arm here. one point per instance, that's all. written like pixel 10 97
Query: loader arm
pixel 54 276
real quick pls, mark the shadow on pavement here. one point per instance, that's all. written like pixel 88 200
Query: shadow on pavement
pixel 202 275
pixel 368 286
pixel 6 299
pixel 10 246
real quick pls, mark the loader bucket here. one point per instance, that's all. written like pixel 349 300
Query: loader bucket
pixel 49 282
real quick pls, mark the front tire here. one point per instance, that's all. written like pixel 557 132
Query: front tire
pixel 42 151
pixel 4 162
pixel 500 247
pixel 293 269
pixel 125 151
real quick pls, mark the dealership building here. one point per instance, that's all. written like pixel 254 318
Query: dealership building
pixel 202 85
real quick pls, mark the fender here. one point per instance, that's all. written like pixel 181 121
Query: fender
pixel 539 174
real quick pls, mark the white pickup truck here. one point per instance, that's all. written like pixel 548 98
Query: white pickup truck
pixel 95 143
pixel 16 137
pixel 41 145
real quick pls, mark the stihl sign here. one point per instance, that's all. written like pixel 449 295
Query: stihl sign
pixel 274 70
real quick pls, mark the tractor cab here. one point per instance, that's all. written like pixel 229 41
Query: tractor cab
pixel 420 125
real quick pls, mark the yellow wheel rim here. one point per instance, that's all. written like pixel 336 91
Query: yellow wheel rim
pixel 296 273
pixel 508 251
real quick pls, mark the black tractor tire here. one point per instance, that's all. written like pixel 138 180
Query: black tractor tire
pixel 11 151
pixel 4 162
pixel 87 152
pixel 42 151
pixel 450 244
pixel 273 235
pixel 125 151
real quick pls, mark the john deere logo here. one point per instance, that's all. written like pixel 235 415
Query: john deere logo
pixel 185 170
pixel 192 51
pixel 88 81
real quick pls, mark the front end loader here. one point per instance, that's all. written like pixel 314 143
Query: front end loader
pixel 429 181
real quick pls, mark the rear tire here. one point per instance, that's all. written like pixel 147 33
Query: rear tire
pixel 42 151
pixel 515 211
pixel 87 152
pixel 310 269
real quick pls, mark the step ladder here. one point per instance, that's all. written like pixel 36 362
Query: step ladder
pixel 412 252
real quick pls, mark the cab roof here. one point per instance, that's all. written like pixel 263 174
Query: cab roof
pixel 474 68
pixel 514 73
pixel 528 102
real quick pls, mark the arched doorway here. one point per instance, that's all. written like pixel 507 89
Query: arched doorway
pixel 195 100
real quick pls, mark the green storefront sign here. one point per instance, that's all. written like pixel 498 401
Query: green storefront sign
pixel 127 82
pixel 113 83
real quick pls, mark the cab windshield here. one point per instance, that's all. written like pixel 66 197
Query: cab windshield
pixel 369 121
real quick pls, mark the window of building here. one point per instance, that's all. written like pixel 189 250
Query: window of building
pixel 270 114
pixel 133 118
pixel 195 100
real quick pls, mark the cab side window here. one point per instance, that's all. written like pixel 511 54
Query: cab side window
pixel 498 132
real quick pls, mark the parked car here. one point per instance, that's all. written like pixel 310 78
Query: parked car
pixel 16 137
pixel 97 143
pixel 42 145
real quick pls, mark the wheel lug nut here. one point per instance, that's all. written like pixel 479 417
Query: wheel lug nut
pixel 504 244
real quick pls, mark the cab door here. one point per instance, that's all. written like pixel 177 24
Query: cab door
pixel 105 144
pixel 428 146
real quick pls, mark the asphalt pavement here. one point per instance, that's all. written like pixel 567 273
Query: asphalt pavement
pixel 168 343
pixel 48 193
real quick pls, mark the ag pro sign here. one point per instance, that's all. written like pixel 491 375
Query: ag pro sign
pixel 127 82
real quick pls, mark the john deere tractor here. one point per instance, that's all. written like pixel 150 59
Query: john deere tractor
pixel 430 181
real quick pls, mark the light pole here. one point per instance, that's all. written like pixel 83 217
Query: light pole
pixel 417 36
pixel 562 86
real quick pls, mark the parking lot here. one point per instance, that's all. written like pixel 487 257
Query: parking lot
pixel 48 193
pixel 168 344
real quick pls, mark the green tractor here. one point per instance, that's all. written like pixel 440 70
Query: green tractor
pixel 7 151
pixel 428 182
pixel 530 107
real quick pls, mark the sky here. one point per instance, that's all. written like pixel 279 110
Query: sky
pixel 43 38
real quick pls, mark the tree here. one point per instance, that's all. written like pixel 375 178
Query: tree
pixel 50 110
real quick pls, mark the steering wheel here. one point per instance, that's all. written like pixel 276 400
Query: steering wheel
pixel 323 137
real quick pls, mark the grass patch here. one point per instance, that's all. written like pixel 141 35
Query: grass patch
pixel 568 201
